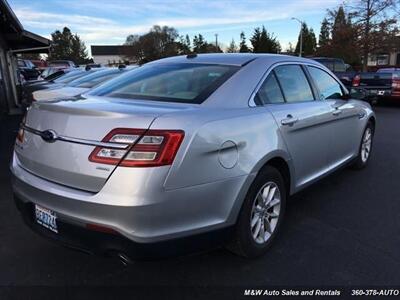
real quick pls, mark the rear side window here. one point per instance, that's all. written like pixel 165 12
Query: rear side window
pixel 294 83
pixel 185 83
pixel 270 92
pixel 328 87
pixel 340 66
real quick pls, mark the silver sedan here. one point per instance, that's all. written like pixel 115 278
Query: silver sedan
pixel 186 148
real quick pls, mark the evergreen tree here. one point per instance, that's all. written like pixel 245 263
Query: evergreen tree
pixel 68 46
pixel 344 37
pixel 264 42
pixel 309 41
pixel 184 45
pixel 199 45
pixel 324 35
pixel 243 46
pixel 232 47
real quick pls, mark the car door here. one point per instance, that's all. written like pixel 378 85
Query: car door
pixel 344 117
pixel 303 120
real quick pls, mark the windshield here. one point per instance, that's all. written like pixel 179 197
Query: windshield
pixel 186 83
pixel 94 79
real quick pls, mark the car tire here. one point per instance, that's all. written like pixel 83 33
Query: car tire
pixel 245 241
pixel 365 148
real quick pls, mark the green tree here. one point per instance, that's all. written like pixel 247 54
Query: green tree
pixel 243 45
pixel 309 41
pixel 184 45
pixel 68 46
pixel 264 42
pixel 324 35
pixel 199 44
pixel 232 47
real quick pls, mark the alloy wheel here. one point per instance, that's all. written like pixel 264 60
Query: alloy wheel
pixel 366 145
pixel 265 212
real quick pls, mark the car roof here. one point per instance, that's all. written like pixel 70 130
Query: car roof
pixel 236 59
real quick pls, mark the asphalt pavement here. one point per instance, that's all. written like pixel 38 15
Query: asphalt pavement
pixel 342 231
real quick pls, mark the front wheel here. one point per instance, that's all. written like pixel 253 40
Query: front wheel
pixel 365 148
pixel 261 214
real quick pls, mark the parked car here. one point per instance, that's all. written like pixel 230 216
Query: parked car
pixel 384 84
pixel 52 83
pixel 28 69
pixel 186 151
pixel 342 70
pixel 44 75
pixel 62 64
pixel 40 64
pixel 78 86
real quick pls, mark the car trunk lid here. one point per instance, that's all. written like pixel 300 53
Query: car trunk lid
pixel 82 123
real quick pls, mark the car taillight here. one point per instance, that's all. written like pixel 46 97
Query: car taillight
pixel 356 80
pixel 145 148
pixel 396 82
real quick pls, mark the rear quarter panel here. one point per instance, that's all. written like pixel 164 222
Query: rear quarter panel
pixel 221 144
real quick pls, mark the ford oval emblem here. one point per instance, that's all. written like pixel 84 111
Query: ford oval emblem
pixel 49 136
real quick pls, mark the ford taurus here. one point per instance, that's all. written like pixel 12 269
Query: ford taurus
pixel 192 148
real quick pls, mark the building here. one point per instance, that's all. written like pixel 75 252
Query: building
pixel 385 59
pixel 110 55
pixel 13 40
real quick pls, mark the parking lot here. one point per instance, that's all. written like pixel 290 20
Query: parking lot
pixel 344 230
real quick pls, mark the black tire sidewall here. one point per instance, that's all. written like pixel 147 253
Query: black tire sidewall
pixel 251 248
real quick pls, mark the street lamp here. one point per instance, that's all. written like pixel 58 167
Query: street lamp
pixel 301 34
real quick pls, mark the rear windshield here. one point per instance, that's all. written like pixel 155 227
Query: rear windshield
pixel 394 71
pixel 89 81
pixel 68 77
pixel 185 83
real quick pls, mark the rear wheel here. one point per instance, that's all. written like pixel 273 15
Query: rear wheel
pixel 261 215
pixel 365 147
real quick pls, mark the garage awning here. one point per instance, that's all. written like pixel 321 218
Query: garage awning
pixel 28 42
pixel 17 38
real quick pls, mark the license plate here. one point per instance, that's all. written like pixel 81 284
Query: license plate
pixel 46 217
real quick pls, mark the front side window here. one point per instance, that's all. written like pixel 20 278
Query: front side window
pixel 270 92
pixel 328 87
pixel 294 83
pixel 185 83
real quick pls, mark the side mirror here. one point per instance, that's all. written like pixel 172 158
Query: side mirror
pixel 360 94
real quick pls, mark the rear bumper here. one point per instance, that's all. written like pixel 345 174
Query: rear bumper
pixel 113 244
pixel 377 93
pixel 163 215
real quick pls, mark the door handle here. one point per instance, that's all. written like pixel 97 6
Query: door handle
pixel 289 121
pixel 337 112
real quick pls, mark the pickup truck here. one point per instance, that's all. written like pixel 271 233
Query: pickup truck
pixel 384 84
pixel 342 70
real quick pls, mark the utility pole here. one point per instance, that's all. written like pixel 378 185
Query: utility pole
pixel 216 41
pixel 301 35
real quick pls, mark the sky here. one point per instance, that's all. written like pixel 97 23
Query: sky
pixel 109 22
